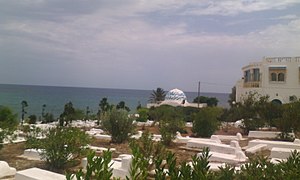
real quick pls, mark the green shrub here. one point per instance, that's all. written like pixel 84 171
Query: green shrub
pixel 170 121
pixel 31 134
pixel 32 119
pixel 210 101
pixel 187 112
pixel 143 150
pixel 205 122
pixel 48 118
pixel 257 167
pixel 62 146
pixel 98 167
pixel 168 129
pixel 118 124
pixel 290 120
pixel 143 114
pixel 8 123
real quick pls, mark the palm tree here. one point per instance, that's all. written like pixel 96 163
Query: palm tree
pixel 24 104
pixel 157 95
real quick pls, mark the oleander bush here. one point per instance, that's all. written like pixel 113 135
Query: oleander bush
pixel 98 167
pixel 61 146
pixel 117 123
pixel 145 152
pixel 148 158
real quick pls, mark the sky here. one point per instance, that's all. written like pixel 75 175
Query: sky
pixel 142 44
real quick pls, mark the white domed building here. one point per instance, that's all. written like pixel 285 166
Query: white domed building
pixel 176 97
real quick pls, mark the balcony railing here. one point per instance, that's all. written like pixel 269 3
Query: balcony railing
pixel 253 84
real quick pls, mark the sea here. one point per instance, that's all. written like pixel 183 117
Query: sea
pixel 55 98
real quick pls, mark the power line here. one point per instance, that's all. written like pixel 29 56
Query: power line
pixel 216 84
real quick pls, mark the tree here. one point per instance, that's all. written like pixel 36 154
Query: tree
pixel 121 105
pixel 104 106
pixel 157 95
pixel 68 115
pixel 268 112
pixel 210 101
pixel 8 123
pixel 139 106
pixel 87 111
pixel 232 97
pixel 290 120
pixel 43 111
pixel 249 111
pixel 118 124
pixel 205 122
pixel 24 104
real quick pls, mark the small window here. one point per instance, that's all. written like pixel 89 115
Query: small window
pixel 293 98
pixel 273 77
pixel 280 77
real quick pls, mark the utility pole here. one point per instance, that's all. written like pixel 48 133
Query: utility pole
pixel 198 99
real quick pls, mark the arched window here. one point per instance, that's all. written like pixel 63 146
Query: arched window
pixel 273 77
pixel 281 77
pixel 276 101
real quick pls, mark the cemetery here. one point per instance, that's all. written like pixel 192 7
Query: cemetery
pixel 224 149
pixel 121 145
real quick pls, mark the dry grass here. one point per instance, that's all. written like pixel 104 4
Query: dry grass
pixel 10 153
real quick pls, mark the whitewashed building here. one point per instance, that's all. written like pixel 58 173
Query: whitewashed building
pixel 277 77
pixel 176 97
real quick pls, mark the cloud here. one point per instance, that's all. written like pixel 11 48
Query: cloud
pixel 115 43
pixel 287 17
pixel 234 7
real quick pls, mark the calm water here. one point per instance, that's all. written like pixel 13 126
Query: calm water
pixel 56 97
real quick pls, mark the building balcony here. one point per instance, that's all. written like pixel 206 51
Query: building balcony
pixel 254 84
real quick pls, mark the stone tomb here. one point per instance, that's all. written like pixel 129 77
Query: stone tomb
pixel 215 147
pixel 281 153
pixel 278 144
pixel 121 169
pixel 6 171
pixel 237 158
pixel 32 154
pixel 38 174
pixel 266 134
pixel 256 148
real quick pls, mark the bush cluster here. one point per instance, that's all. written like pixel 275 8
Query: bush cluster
pixel 62 145
pixel 8 123
pixel 205 121
pixel 166 166
pixel 117 123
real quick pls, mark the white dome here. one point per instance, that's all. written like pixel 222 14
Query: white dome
pixel 175 95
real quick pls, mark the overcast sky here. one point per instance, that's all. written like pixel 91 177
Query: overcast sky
pixel 142 44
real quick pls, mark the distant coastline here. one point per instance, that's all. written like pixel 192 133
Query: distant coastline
pixel 55 97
